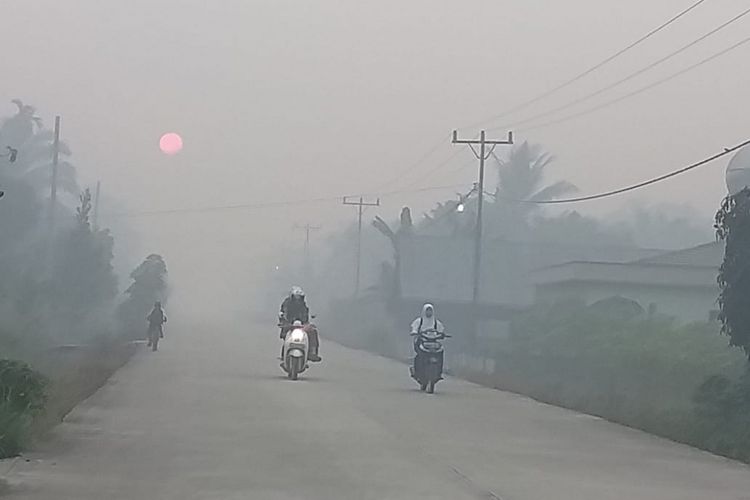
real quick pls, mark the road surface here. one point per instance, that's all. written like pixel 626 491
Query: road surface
pixel 210 416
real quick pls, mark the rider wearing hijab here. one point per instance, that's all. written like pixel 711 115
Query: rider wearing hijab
pixel 427 321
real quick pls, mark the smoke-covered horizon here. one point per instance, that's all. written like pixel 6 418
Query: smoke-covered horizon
pixel 279 101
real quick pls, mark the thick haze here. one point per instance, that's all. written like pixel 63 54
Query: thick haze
pixel 284 99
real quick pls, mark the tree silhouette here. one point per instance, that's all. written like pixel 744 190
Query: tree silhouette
pixel 30 145
pixel 733 228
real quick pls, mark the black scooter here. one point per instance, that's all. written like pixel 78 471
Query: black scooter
pixel 428 362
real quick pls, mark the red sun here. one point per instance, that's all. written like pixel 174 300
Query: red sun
pixel 170 143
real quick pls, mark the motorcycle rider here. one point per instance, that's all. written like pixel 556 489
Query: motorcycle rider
pixel 426 321
pixel 294 308
pixel 156 320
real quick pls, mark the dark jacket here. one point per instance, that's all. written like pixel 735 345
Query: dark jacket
pixel 157 317
pixel 294 310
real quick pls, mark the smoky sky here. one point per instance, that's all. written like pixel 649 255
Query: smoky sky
pixel 282 100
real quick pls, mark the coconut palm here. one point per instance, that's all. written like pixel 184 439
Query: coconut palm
pixel 520 181
pixel 17 129
pixel 521 176
pixel 24 132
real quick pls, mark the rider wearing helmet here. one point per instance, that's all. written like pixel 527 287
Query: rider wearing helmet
pixel 294 308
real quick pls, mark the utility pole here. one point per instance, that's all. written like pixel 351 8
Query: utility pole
pixel 308 228
pixel 360 204
pixel 96 205
pixel 482 155
pixel 55 161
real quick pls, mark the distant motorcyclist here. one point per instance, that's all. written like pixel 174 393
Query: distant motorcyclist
pixel 294 308
pixel 426 322
pixel 156 320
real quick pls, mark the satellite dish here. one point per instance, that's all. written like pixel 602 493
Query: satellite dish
pixel 738 171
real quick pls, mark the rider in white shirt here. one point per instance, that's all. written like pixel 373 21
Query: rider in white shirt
pixel 427 321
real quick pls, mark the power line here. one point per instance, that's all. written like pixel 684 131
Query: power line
pixel 587 72
pixel 636 92
pixel 412 165
pixel 271 204
pixel 639 185
pixel 628 77
pixel 251 206
pixel 434 169
pixel 461 167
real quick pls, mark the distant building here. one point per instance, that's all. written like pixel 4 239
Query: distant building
pixel 681 284
pixel 439 268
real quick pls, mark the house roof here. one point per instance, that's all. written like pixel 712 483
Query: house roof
pixel 660 275
pixel 690 267
pixel 708 254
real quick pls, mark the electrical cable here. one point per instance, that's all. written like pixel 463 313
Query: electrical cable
pixel 587 72
pixel 638 185
pixel 636 92
pixel 626 78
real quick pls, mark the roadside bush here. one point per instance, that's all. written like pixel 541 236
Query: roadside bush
pixel 679 381
pixel 722 407
pixel 14 428
pixel 22 397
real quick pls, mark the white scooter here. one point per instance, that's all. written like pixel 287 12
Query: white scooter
pixel 295 351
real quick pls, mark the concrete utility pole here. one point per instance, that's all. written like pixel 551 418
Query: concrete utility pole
pixel 360 203
pixel 55 161
pixel 482 155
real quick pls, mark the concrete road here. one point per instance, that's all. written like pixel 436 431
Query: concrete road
pixel 210 416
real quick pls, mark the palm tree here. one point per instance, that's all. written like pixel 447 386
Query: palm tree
pixel 17 129
pixel 520 183
pixel 24 132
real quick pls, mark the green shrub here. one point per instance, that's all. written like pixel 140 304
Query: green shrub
pixel 679 381
pixel 14 431
pixel 21 387
pixel 22 397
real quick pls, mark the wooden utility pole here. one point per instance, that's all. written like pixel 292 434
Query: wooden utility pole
pixel 55 161
pixel 482 155
pixel 96 205
pixel 360 204
pixel 308 228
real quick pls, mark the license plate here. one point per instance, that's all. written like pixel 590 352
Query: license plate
pixel 434 360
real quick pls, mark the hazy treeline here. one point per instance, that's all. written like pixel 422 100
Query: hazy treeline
pixel 522 175
pixel 57 278
pixel 57 283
